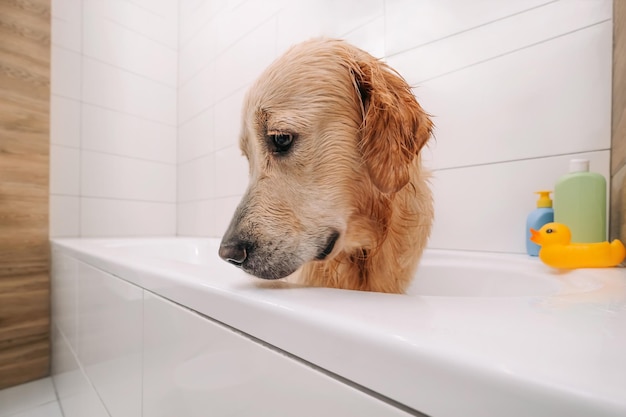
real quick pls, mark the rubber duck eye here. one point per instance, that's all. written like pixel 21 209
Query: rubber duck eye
pixel 549 231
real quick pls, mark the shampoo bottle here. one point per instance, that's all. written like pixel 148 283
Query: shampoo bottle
pixel 543 214
pixel 580 203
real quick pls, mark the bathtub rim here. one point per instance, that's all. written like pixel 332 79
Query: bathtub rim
pixel 449 367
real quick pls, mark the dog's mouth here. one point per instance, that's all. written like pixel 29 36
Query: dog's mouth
pixel 330 245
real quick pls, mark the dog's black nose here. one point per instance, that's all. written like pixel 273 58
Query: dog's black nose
pixel 234 252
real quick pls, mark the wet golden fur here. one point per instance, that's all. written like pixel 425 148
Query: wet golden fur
pixel 353 171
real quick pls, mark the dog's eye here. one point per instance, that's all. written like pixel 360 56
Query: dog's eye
pixel 281 142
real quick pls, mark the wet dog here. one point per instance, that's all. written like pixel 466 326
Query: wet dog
pixel 337 192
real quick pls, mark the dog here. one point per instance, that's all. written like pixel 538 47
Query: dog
pixel 336 188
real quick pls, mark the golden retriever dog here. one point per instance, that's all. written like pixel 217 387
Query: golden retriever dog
pixel 337 192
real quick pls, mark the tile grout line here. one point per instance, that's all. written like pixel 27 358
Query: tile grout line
pixel 512 51
pixel 143 35
pixel 402 51
pixel 177 135
pixel 80 121
pixel 226 49
pixel 82 371
pixel 100 106
pixel 37 401
pixel 508 161
pixel 129 71
pixel 34 408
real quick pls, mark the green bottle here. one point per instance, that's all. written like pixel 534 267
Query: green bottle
pixel 580 202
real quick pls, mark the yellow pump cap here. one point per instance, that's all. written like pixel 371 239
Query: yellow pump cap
pixel 544 199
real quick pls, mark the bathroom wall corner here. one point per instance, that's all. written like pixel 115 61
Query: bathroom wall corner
pixel 618 141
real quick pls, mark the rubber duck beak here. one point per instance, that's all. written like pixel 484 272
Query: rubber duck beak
pixel 535 236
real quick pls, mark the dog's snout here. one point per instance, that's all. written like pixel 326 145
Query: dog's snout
pixel 234 252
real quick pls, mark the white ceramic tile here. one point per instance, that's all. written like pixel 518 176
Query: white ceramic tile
pixel 500 37
pixel 66 24
pixel 199 52
pixel 412 23
pixel 104 217
pixel 64 366
pixel 66 34
pixel 165 8
pixel 110 339
pixel 240 18
pixel 369 37
pixel 117 45
pixel 122 134
pixel 66 9
pixel 231 177
pixel 196 218
pixel 228 119
pixel 197 95
pixel 196 137
pixel 77 397
pixel 485 207
pixel 64 170
pixel 104 175
pixel 133 16
pixel 303 21
pixel 194 15
pixel 196 179
pixel 50 409
pixel 64 216
pixel 349 15
pixel 300 21
pixel 65 73
pixel 550 99
pixel 219 370
pixel 25 396
pixel 224 210
pixel 64 121
pixel 64 293
pixel 242 63
pixel 117 89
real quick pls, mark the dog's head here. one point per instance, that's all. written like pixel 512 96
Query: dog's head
pixel 325 127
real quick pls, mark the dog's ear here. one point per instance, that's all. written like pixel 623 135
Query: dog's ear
pixel 394 128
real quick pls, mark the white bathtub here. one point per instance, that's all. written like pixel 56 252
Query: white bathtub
pixel 477 335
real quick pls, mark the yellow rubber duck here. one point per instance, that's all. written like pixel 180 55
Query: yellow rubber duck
pixel 557 250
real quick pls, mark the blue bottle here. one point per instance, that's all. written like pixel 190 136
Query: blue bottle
pixel 538 217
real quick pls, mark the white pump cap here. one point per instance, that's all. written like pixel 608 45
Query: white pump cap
pixel 579 165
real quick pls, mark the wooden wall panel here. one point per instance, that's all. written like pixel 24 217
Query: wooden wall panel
pixel 24 173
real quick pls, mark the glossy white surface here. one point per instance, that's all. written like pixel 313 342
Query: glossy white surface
pixel 497 81
pixel 507 82
pixel 193 366
pixel 469 191
pixel 66 179
pixel 30 400
pixel 113 114
pixel 523 341
pixel 425 22
pixel 77 396
pixel 109 339
pixel 112 217
pixel 120 47
pixel 111 87
pixel 127 178
pixel 121 134
pixel 47 410
pixel 512 86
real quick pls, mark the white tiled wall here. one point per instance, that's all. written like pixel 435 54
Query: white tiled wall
pixel 516 88
pixel 113 118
